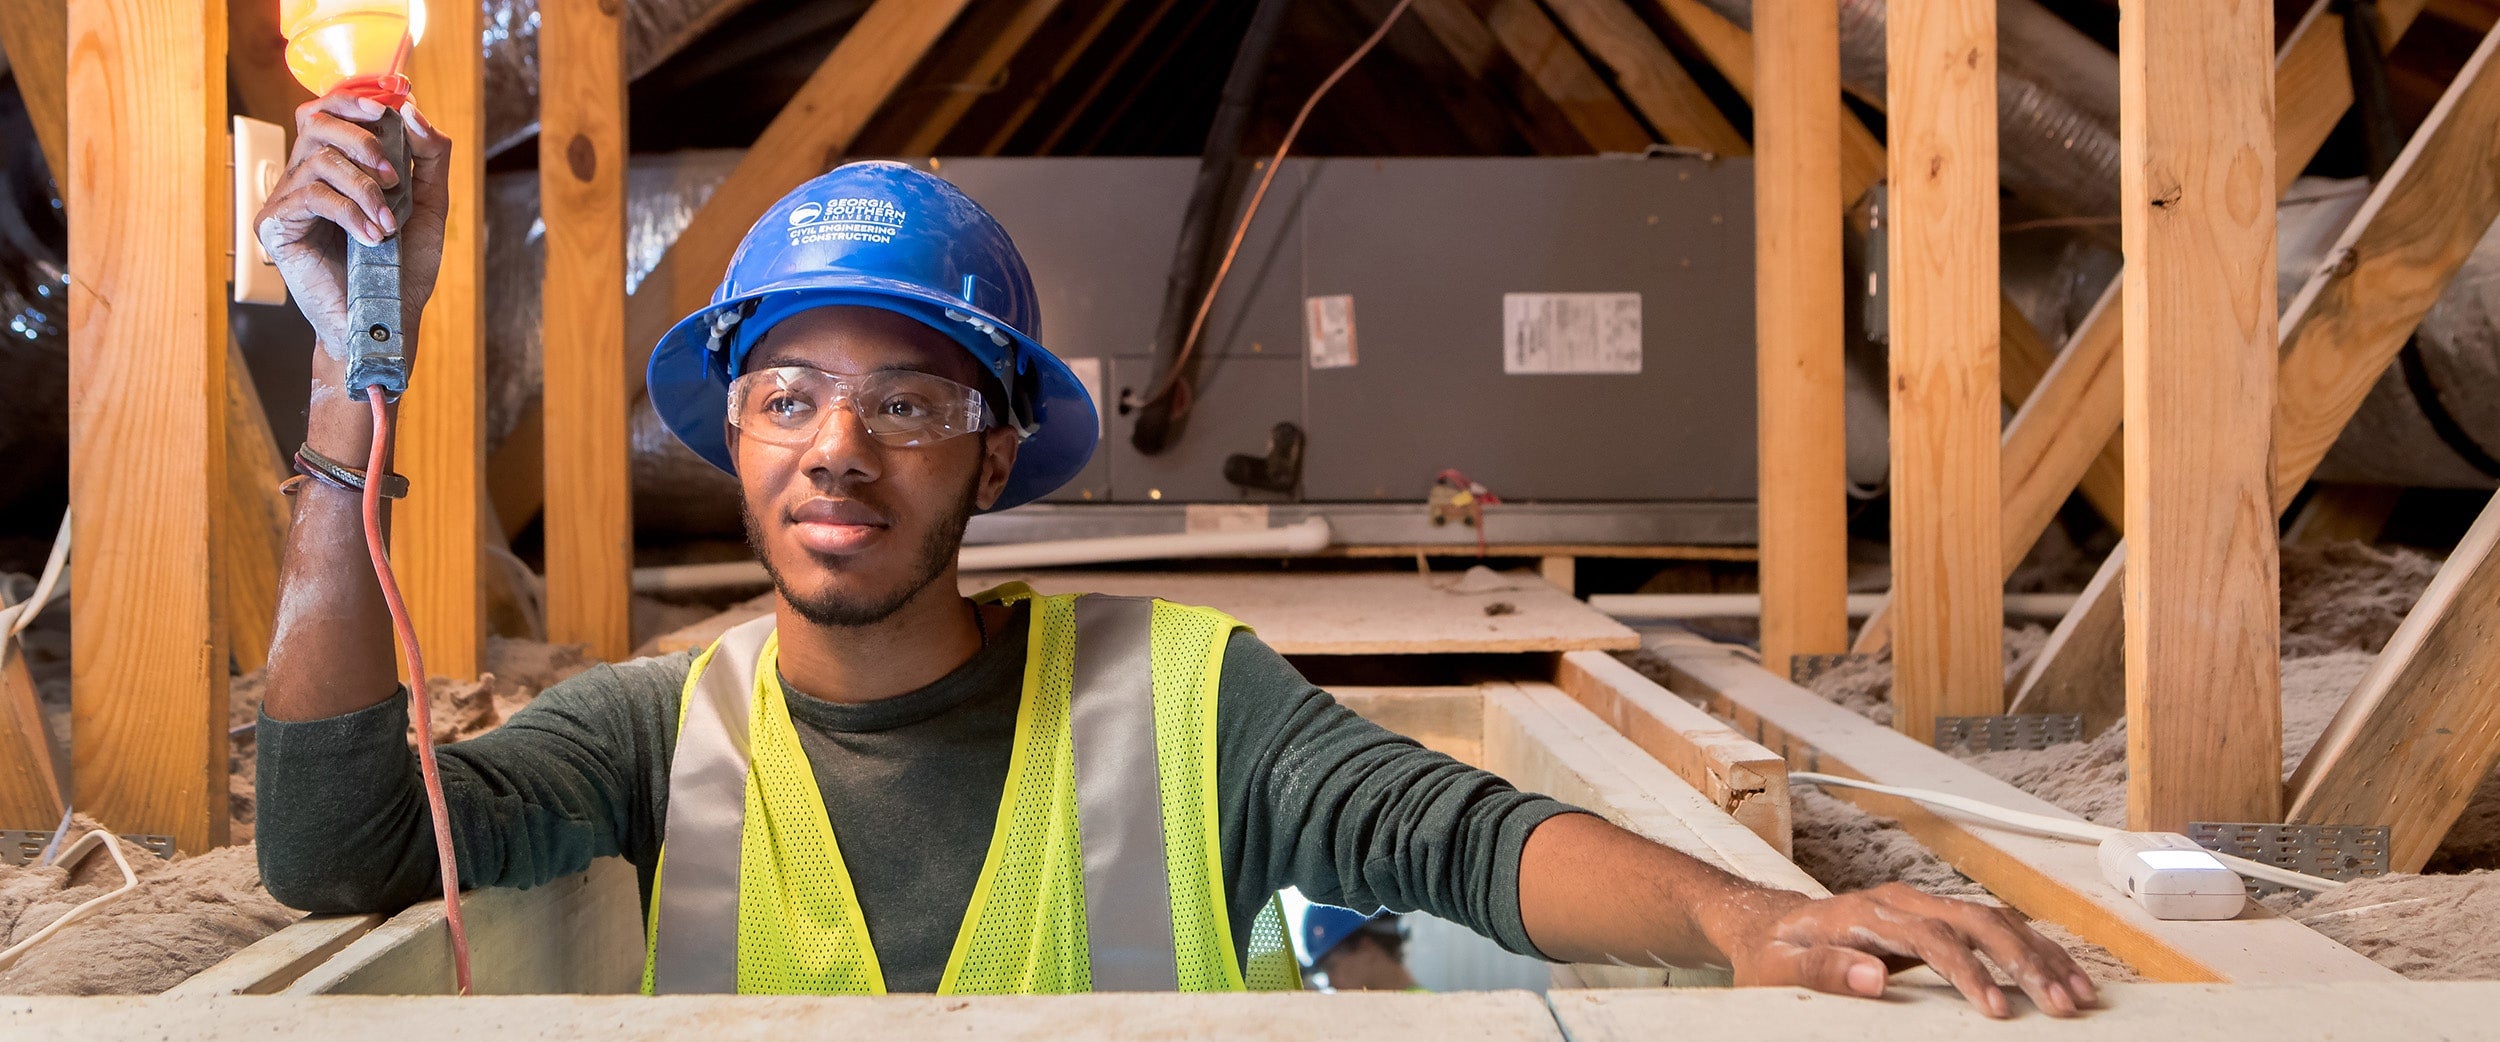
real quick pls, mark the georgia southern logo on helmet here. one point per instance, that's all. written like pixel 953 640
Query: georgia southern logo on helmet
pixel 883 235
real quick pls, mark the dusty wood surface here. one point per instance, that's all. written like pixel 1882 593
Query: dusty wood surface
pixel 1741 777
pixel 1356 613
pixel 441 445
pixel 2048 879
pixel 1947 618
pixel 2130 1013
pixel 1492 1016
pixel 581 174
pixel 280 959
pixel 2413 741
pixel 1532 731
pixel 1799 320
pixel 1540 740
pixel 2066 428
pixel 581 934
pixel 1600 550
pixel 2408 240
pixel 1364 613
pixel 1644 71
pixel 147 324
pixel 2203 671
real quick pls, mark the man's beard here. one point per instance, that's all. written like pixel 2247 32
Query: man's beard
pixel 937 552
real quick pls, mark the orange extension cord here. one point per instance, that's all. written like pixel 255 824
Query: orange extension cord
pixel 375 467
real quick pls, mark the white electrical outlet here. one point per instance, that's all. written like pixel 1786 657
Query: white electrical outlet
pixel 259 159
pixel 2171 876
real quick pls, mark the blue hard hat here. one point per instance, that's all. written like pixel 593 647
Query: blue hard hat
pixel 883 235
pixel 1324 927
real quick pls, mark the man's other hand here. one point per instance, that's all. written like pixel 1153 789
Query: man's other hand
pixel 1849 944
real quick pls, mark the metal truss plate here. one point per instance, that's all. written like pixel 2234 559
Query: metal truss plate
pixel 2332 851
pixel 25 846
pixel 1985 734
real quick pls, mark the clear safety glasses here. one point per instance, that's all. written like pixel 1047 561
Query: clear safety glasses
pixel 788 405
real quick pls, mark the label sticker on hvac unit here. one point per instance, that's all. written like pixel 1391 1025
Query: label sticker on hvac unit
pixel 1328 327
pixel 1548 333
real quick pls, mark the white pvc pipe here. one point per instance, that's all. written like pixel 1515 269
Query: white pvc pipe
pixel 1306 537
pixel 1723 605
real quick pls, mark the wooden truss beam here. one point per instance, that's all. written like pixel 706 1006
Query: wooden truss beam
pixel 148 369
pixel 441 444
pixel 1731 50
pixel 2391 264
pixel 2055 880
pixel 1800 321
pixel 2203 676
pixel 1948 610
pixel 1552 62
pixel 1649 75
pixel 2410 745
pixel 1063 57
pixel 2068 426
pixel 965 66
pixel 1545 124
pixel 256 515
pixel 581 176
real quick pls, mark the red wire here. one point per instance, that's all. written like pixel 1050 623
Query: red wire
pixel 375 467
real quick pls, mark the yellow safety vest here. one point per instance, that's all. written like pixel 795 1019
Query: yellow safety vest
pixel 1103 874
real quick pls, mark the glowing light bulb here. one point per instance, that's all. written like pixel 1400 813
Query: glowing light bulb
pixel 356 45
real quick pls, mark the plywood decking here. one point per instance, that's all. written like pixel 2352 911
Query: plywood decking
pixel 1361 613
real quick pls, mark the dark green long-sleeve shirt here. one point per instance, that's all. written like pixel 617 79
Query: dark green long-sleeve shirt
pixel 1311 796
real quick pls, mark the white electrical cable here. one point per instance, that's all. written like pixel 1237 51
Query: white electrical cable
pixel 15 618
pixel 2058 828
pixel 79 849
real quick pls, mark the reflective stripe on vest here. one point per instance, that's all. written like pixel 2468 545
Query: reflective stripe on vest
pixel 1114 744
